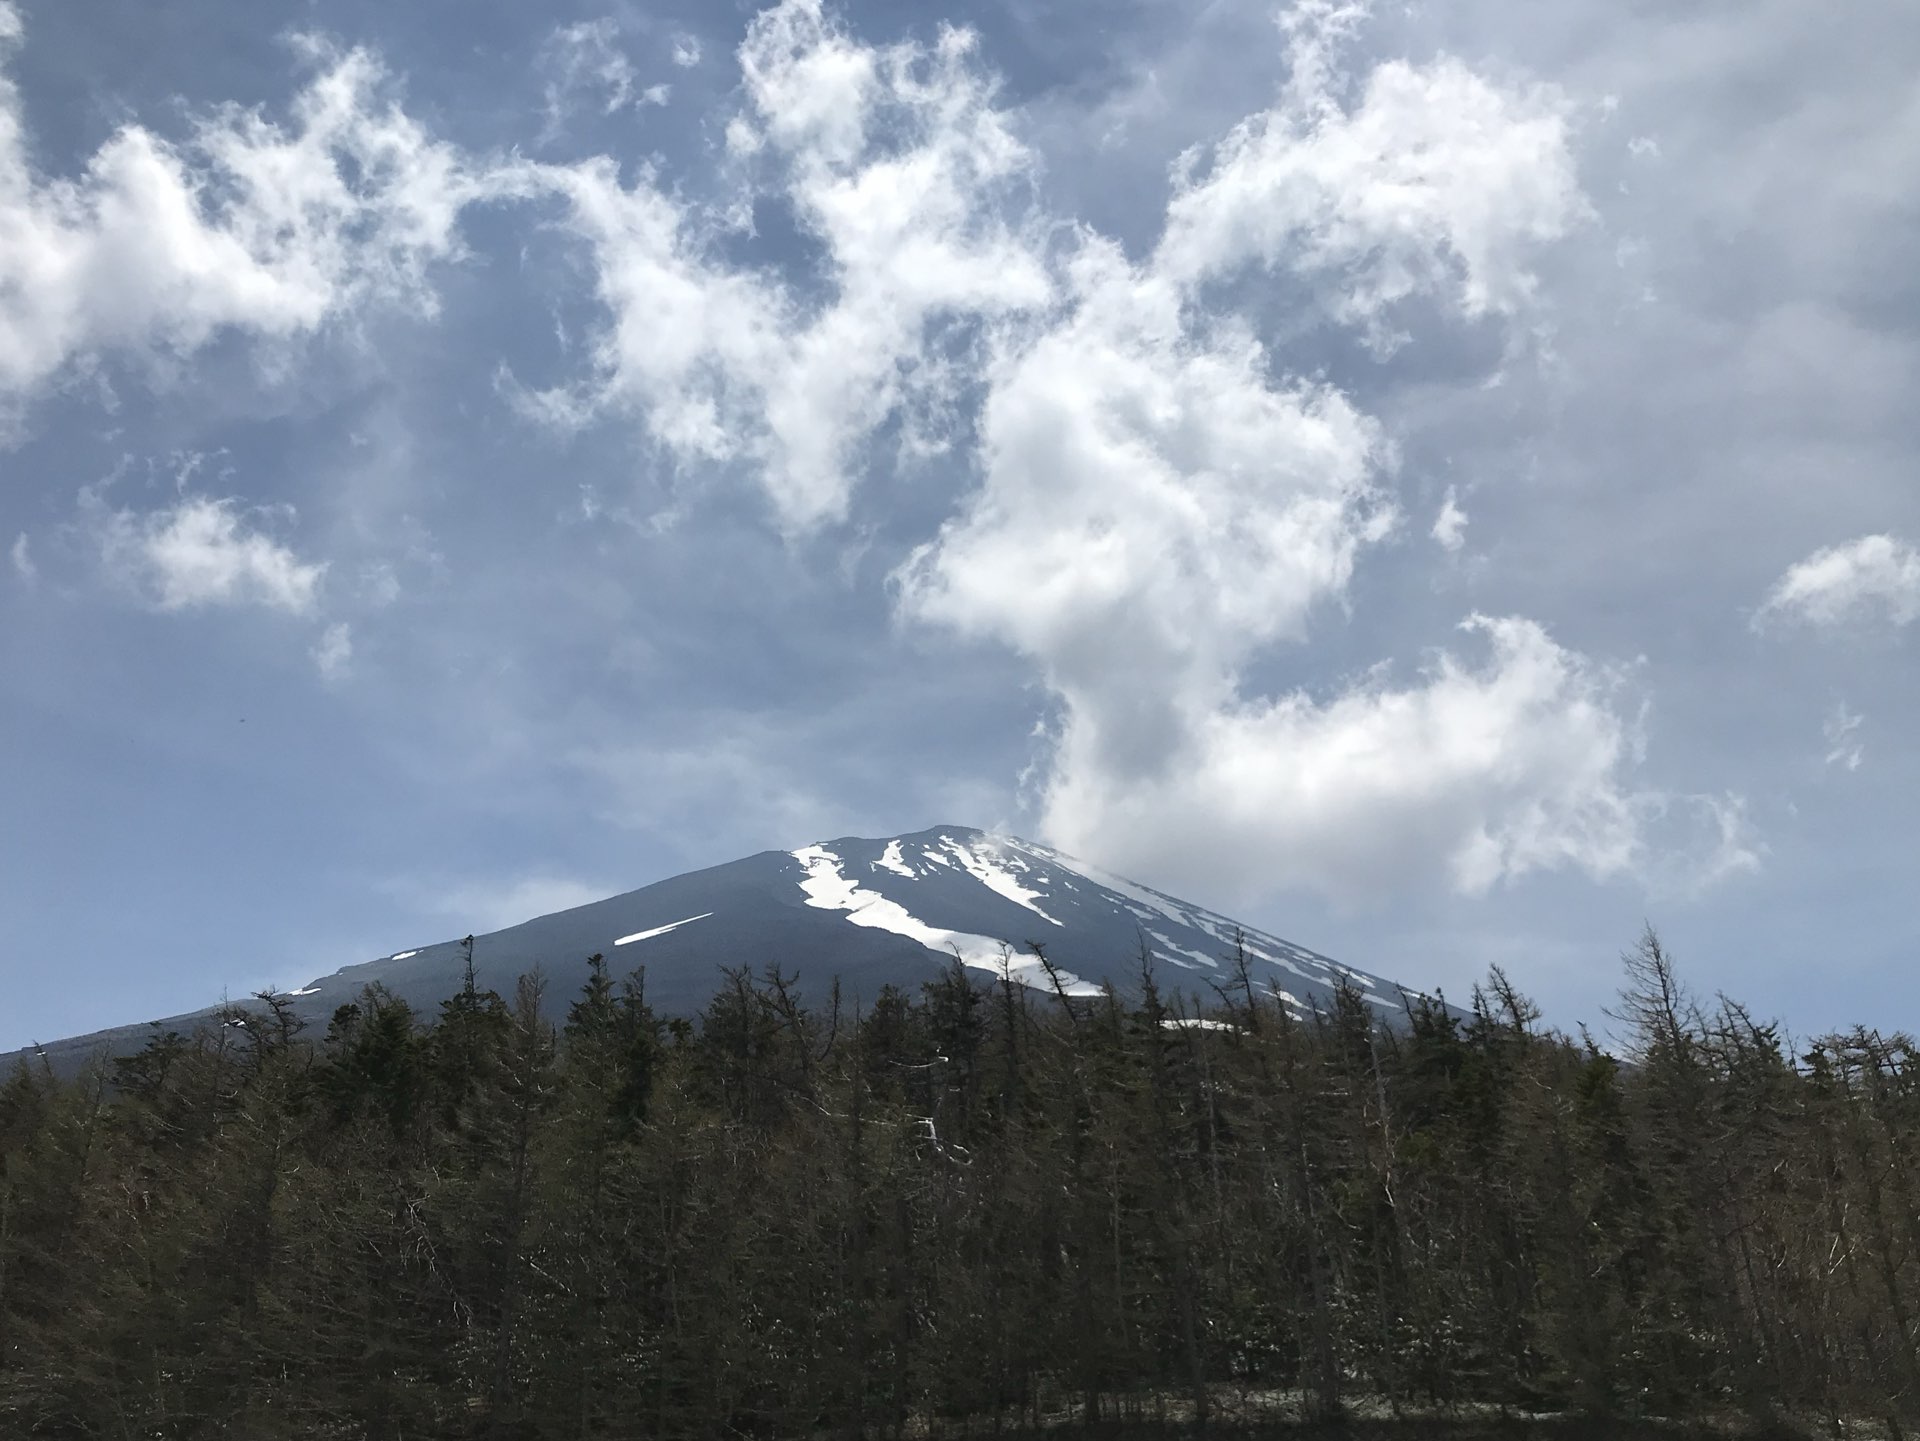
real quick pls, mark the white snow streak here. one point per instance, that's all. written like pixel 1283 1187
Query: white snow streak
pixel 996 878
pixel 828 888
pixel 661 930
pixel 891 860
pixel 402 955
pixel 1174 953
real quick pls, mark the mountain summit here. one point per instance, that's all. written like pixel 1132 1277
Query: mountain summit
pixel 865 912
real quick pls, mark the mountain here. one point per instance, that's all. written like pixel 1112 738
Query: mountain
pixel 868 912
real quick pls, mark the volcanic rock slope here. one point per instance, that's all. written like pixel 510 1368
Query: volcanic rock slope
pixel 867 912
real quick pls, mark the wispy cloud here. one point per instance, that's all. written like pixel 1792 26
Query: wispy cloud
pixel 896 160
pixel 1844 747
pixel 1450 525
pixel 1876 577
pixel 333 652
pixel 248 225
pixel 200 552
pixel 586 66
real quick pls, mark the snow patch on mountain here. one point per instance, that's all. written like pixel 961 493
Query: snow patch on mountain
pixel 1195 960
pixel 828 887
pixel 891 860
pixel 661 930
pixel 996 878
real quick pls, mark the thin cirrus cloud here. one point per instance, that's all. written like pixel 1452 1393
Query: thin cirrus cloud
pixel 1450 525
pixel 586 66
pixel 1840 731
pixel 1874 579
pixel 333 652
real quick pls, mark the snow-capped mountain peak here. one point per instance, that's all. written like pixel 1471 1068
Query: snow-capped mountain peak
pixel 896 910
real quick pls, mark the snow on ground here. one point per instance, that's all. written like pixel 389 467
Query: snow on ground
pixel 1174 953
pixel 996 878
pixel 827 887
pixel 661 930
pixel 891 860
pixel 402 955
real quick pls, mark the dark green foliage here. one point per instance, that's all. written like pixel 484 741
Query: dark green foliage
pixel 979 1207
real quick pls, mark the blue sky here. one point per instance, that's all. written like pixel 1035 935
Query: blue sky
pixel 1436 482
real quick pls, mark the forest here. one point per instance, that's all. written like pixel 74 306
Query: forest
pixel 979 1209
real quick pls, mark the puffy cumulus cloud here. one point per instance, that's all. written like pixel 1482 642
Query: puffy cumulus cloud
pixel 1482 770
pixel 201 552
pixel 1435 182
pixel 897 162
pixel 1159 506
pixel 1874 577
pixel 1154 508
pixel 247 225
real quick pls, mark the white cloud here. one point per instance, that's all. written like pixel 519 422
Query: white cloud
pixel 1157 510
pixel 1844 747
pixel 1159 505
pixel 201 552
pixel 248 225
pixel 1154 508
pixel 584 60
pixel 333 654
pixel 897 161
pixel 1704 840
pixel 1435 182
pixel 23 563
pixel 686 51
pixel 1476 774
pixel 1450 525
pixel 1876 576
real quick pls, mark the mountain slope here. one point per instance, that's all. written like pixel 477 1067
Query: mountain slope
pixel 867 912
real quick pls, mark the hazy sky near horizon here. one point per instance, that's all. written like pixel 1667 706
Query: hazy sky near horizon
pixel 1436 482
